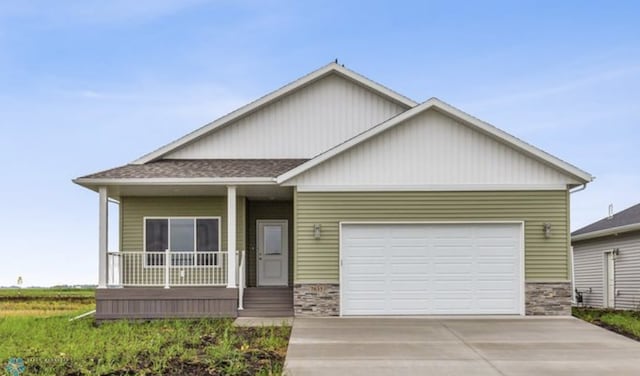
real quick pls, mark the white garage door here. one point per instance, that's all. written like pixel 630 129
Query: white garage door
pixel 409 269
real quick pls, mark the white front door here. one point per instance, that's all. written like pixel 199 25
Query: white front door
pixel 610 281
pixel 273 252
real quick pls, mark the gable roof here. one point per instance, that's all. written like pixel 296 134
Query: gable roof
pixel 332 68
pixel 624 221
pixel 459 115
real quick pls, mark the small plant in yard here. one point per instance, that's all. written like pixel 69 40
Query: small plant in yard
pixel 624 322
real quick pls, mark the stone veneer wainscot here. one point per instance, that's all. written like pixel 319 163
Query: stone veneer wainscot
pixel 323 299
pixel 316 299
pixel 548 299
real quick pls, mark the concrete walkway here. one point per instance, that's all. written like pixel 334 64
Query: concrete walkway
pixel 465 346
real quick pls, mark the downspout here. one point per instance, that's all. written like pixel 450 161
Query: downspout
pixel 571 258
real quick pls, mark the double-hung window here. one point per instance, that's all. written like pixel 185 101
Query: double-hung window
pixel 192 241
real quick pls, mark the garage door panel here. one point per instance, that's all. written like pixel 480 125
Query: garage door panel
pixel 367 251
pixel 486 268
pixel 431 269
pixel 495 251
pixel 399 251
pixel 412 268
pixel 407 307
pixel 410 288
pixel 366 269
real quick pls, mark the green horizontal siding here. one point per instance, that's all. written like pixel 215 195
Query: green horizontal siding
pixel 316 260
pixel 134 209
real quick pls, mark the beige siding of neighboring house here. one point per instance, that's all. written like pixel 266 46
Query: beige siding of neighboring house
pixel 314 118
pixel 589 260
pixel 134 209
pixel 546 260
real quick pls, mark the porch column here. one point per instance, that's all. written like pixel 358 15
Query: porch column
pixel 103 236
pixel 231 236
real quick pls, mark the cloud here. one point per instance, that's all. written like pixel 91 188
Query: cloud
pixel 576 84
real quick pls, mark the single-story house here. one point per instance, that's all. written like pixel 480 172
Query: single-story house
pixel 606 258
pixel 335 195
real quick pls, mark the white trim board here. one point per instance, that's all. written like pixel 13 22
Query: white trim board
pixel 457 114
pixel 413 188
pixel 332 68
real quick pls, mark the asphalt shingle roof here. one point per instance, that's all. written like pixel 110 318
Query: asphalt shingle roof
pixel 628 216
pixel 200 168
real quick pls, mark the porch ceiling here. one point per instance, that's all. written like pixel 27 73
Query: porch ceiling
pixel 262 192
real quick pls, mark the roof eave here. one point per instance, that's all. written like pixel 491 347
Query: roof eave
pixel 606 232
pixel 93 183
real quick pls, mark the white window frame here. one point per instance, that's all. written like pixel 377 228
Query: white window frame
pixel 216 262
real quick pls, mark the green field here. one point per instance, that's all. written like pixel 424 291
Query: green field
pixel 45 302
pixel 35 327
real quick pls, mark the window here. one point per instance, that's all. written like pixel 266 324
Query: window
pixel 272 239
pixel 191 241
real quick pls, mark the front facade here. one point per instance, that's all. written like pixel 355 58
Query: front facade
pixel 607 261
pixel 337 196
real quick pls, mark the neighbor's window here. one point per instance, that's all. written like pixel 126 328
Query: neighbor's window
pixel 191 240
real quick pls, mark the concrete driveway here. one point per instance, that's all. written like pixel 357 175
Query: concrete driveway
pixel 458 346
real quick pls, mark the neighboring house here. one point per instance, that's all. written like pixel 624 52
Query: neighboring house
pixel 607 261
pixel 337 196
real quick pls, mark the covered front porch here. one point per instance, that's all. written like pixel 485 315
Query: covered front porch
pixel 193 250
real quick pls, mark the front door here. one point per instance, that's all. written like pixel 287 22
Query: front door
pixel 273 252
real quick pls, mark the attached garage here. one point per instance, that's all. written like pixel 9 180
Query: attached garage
pixel 431 268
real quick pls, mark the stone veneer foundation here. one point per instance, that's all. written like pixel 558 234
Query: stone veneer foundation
pixel 541 299
pixel 548 299
pixel 316 299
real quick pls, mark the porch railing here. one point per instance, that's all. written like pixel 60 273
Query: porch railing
pixel 167 269
pixel 241 279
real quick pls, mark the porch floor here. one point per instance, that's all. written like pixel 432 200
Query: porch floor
pixel 267 302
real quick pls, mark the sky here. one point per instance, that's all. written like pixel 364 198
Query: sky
pixel 89 85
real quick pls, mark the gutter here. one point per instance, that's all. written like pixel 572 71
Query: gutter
pixel 174 181
pixel 607 231
pixel 581 188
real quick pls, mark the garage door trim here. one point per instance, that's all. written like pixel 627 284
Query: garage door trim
pixel 521 248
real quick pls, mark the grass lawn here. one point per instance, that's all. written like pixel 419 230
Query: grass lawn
pixel 624 322
pixel 37 330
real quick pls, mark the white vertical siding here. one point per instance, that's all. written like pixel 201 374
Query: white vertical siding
pixel 590 265
pixel 300 125
pixel 431 149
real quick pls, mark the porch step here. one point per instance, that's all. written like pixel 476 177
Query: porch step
pixel 267 302
pixel 248 312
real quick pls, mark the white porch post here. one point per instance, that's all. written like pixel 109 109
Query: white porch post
pixel 103 236
pixel 231 236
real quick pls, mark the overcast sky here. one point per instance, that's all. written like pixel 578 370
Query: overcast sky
pixel 88 85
